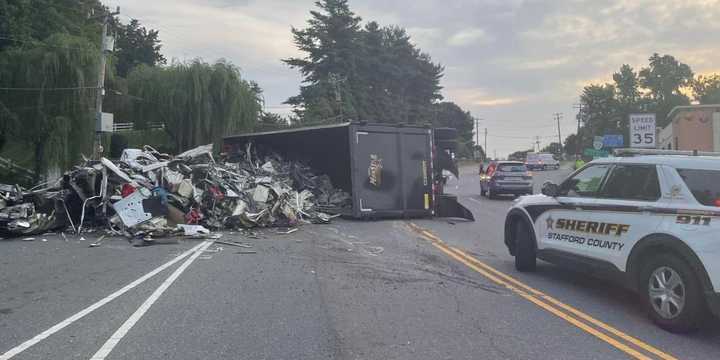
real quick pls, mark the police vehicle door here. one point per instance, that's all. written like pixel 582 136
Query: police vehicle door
pixel 555 226
pixel 623 213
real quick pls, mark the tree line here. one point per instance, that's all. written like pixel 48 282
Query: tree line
pixel 49 58
pixel 656 88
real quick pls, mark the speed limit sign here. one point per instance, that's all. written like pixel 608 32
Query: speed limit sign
pixel 642 130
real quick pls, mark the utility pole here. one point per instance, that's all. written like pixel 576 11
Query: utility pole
pixel 578 137
pixel 537 141
pixel 477 133
pixel 100 92
pixel 335 81
pixel 485 151
pixel 558 116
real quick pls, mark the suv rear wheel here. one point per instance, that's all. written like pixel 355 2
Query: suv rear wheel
pixel 672 294
pixel 490 193
pixel 525 259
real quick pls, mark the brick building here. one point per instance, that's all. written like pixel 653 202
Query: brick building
pixel 692 127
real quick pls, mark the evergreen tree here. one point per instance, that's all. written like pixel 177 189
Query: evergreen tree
pixel 374 73
pixel 136 45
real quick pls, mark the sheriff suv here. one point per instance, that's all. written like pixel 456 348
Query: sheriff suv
pixel 654 220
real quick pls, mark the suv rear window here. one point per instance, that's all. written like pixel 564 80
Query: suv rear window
pixel 511 168
pixel 704 185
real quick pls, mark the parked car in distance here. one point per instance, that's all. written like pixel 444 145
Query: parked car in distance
pixel 541 161
pixel 506 177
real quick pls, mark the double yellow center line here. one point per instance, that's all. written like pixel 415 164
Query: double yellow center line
pixel 618 339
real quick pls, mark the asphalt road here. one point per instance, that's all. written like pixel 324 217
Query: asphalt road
pixel 396 289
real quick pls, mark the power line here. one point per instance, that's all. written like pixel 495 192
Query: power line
pixel 522 127
pixel 522 137
pixel 32 107
pixel 38 43
pixel 47 89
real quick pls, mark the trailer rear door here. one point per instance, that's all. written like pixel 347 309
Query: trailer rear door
pixel 392 174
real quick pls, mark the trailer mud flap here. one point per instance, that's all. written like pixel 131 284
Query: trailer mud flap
pixel 449 207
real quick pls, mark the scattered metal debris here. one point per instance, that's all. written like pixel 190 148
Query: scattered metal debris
pixel 147 194
pixel 286 231
pixel 98 242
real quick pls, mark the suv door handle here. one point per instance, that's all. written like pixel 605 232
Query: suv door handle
pixel 647 208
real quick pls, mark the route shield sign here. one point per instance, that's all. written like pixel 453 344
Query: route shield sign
pixel 598 142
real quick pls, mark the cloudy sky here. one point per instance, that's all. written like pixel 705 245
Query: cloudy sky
pixel 512 63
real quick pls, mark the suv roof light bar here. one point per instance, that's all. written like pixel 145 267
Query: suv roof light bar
pixel 636 152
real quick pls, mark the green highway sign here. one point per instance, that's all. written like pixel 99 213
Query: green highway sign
pixel 595 153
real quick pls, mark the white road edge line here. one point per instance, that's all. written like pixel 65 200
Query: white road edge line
pixel 135 317
pixel 473 199
pixel 61 325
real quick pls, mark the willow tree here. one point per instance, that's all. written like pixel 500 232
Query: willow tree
pixel 197 102
pixel 49 94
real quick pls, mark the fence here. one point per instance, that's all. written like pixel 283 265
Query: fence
pixel 120 127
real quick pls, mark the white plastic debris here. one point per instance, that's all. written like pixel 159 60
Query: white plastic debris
pixel 112 167
pixel 191 230
pixel 185 188
pixel 130 209
pixel 261 194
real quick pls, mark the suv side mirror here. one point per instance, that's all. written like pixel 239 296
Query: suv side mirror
pixel 550 189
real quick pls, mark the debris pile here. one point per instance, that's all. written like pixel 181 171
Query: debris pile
pixel 149 194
